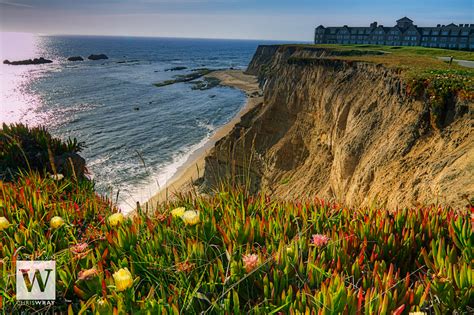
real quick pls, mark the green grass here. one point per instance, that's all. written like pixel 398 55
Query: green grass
pixel 374 261
pixel 398 50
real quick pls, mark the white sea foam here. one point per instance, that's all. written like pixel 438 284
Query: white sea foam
pixel 159 180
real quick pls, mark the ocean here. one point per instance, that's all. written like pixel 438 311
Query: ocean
pixel 128 151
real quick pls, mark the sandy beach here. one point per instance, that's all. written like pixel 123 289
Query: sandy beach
pixel 194 166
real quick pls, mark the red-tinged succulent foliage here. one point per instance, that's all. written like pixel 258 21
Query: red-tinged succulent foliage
pixel 372 261
pixel 245 254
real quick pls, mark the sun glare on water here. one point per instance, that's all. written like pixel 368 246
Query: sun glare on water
pixel 17 104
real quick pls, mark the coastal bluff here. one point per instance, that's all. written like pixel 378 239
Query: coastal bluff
pixel 347 131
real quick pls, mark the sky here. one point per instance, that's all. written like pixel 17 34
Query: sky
pixel 239 19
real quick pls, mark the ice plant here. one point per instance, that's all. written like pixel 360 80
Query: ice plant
pixel 115 219
pixel 319 240
pixel 191 217
pixel 250 262
pixel 56 222
pixel 123 279
pixel 57 177
pixel 178 212
pixel 4 223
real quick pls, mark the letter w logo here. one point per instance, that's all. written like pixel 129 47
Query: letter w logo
pixel 37 275
pixel 35 280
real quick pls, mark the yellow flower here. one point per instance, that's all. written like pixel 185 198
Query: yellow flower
pixel 4 223
pixel 417 313
pixel 191 217
pixel 123 279
pixel 289 250
pixel 178 212
pixel 115 219
pixel 56 222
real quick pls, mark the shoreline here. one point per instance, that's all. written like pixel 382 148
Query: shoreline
pixel 193 168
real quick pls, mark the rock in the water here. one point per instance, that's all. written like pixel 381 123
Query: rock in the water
pixel 36 61
pixel 176 68
pixel 75 58
pixel 97 57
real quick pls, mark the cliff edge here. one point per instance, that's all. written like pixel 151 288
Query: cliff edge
pixel 348 131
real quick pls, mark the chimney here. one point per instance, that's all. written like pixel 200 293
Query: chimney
pixel 471 25
pixel 461 25
pixel 443 25
pixel 374 24
pixel 439 25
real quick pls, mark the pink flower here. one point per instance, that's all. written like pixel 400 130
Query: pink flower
pixel 79 248
pixel 319 240
pixel 87 274
pixel 250 262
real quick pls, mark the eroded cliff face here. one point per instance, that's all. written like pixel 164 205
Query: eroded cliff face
pixel 345 131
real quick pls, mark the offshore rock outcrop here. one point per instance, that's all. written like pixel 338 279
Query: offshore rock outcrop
pixel 35 61
pixel 345 131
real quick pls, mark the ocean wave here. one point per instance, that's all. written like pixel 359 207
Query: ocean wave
pixel 160 178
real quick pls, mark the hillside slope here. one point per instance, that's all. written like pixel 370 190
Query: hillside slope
pixel 346 130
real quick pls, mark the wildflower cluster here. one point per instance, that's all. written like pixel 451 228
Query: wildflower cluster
pixel 235 253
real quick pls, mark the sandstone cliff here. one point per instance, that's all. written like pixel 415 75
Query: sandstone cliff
pixel 345 131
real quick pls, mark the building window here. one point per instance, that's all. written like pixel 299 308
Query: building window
pixel 465 33
pixel 435 33
pixel 445 33
pixel 434 39
pixel 426 32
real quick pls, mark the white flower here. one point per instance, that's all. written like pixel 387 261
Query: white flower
pixel 57 177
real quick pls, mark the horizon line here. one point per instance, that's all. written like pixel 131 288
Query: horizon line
pixel 160 36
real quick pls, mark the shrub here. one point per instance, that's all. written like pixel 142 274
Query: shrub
pixel 24 148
